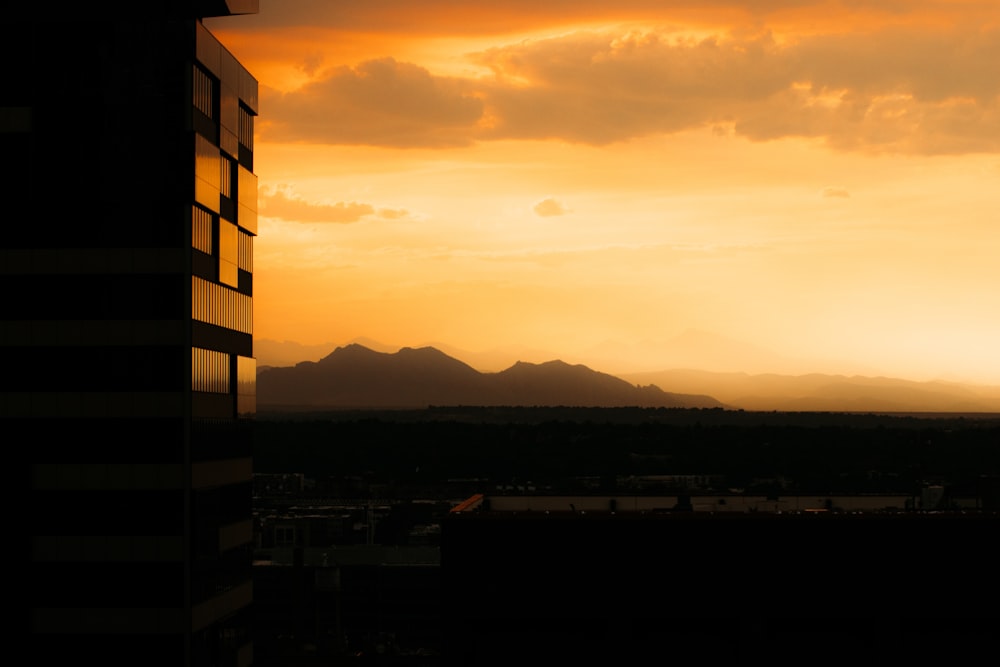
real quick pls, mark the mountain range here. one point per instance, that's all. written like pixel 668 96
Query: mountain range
pixel 819 392
pixel 357 377
pixel 366 374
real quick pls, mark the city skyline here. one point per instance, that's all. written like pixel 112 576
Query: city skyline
pixel 818 179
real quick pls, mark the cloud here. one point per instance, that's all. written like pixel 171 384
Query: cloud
pixel 549 207
pixel 903 91
pixel 392 213
pixel 281 203
pixel 380 103
pixel 840 193
pixel 505 16
pixel 899 89
pixel 598 88
pixel 312 62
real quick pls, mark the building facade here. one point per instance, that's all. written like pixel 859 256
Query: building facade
pixel 126 141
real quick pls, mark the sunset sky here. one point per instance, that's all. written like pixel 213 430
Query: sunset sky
pixel 818 178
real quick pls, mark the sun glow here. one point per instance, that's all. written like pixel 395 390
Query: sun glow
pixel 803 180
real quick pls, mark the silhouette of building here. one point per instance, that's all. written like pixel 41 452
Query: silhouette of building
pixel 126 139
pixel 550 580
pixel 347 604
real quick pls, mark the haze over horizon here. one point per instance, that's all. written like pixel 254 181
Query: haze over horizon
pixel 816 181
pixel 696 351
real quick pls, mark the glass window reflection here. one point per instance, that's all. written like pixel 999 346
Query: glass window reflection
pixel 209 371
pixel 219 305
pixel 246 386
pixel 228 253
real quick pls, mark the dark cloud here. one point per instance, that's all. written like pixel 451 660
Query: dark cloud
pixel 904 91
pixel 312 63
pixel 379 103
pixel 929 66
pixel 599 89
pixel 838 193
pixel 451 17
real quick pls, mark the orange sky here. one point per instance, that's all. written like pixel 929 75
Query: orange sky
pixel 821 179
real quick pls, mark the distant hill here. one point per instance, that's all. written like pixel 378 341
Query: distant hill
pixel 818 392
pixel 355 376
pixel 288 353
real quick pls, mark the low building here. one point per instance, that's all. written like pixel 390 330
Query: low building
pixel 617 579
pixel 353 604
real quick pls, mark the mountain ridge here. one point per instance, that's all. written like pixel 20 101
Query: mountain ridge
pixel 354 376
pixel 807 392
pixel 819 392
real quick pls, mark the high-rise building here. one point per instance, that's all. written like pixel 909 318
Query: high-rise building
pixel 126 274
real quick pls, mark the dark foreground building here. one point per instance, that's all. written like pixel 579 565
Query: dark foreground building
pixel 613 586
pixel 126 143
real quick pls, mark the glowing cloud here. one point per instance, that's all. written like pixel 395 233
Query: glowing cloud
pixel 550 207
pixel 280 203
pixel 392 213
pixel 715 153
pixel 895 89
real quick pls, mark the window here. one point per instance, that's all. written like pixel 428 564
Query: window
pixel 246 127
pixel 217 304
pixel 284 536
pixel 207 173
pixel 228 253
pixel 203 93
pixel 246 251
pixel 246 386
pixel 209 371
pixel 201 230
pixel 246 195
pixel 225 177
